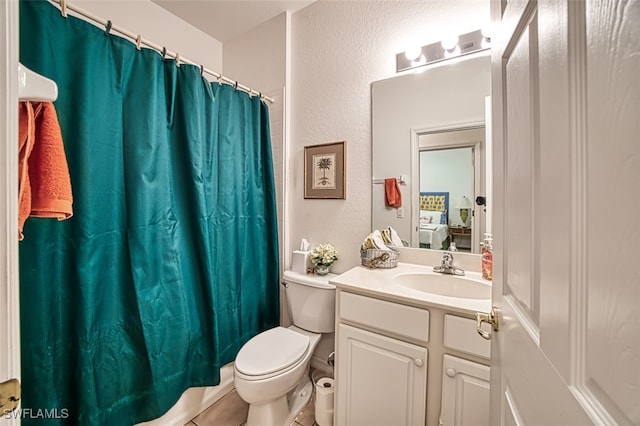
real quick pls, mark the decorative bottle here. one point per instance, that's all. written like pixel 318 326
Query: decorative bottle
pixel 487 257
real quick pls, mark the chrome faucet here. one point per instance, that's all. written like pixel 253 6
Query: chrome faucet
pixel 447 266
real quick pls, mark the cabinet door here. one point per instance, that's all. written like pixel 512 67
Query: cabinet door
pixel 381 381
pixel 465 393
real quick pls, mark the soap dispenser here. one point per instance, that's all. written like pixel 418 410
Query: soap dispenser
pixel 487 257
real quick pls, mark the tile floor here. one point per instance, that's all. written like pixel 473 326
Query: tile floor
pixel 231 410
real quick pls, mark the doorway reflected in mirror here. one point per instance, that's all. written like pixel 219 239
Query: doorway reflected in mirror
pixel 452 162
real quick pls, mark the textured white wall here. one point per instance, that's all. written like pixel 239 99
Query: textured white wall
pixel 338 49
pixel 258 58
pixel 159 27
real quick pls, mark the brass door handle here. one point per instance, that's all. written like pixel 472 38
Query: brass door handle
pixel 489 318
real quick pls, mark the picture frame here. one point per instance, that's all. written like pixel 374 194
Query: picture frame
pixel 324 171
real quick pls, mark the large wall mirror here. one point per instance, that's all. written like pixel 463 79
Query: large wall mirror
pixel 429 133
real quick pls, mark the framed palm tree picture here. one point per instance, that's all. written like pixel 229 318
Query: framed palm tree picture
pixel 324 171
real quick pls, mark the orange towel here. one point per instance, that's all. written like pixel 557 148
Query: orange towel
pixel 26 138
pixel 392 192
pixel 44 184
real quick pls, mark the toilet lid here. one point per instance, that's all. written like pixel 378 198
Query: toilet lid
pixel 270 351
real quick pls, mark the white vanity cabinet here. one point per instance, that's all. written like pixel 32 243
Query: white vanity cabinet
pixel 384 380
pixel 465 393
pixel 381 377
pixel 465 384
pixel 403 363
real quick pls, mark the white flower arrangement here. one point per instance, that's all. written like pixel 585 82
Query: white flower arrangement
pixel 323 254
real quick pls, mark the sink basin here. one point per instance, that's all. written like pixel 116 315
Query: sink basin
pixel 444 285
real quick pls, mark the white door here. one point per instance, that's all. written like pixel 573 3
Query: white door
pixel 382 381
pixel 465 393
pixel 9 301
pixel 566 114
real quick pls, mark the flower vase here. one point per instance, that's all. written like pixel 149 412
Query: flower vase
pixel 322 269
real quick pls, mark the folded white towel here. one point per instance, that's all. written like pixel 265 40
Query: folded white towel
pixel 374 241
pixel 378 241
pixel 395 238
pixel 368 243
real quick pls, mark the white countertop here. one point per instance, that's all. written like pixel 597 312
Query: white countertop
pixel 379 283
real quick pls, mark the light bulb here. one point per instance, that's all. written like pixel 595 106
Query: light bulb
pixel 450 42
pixel 413 53
pixel 486 32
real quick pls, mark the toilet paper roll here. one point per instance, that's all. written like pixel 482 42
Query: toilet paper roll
pixel 324 401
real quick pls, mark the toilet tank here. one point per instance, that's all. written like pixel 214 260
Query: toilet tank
pixel 311 300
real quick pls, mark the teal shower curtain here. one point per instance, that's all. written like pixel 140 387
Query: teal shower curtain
pixel 170 261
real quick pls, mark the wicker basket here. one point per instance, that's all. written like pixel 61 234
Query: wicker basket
pixel 375 258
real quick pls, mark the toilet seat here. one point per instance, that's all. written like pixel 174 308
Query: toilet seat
pixel 271 351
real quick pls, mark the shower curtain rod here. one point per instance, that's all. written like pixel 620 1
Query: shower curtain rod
pixel 138 40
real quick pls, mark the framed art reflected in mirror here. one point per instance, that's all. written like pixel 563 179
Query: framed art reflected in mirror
pixel 324 171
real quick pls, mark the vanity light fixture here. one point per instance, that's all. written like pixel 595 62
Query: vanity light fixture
pixel 450 47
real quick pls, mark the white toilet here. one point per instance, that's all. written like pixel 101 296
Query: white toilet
pixel 271 369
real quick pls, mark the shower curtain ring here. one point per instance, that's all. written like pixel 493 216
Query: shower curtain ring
pixel 164 53
pixel 202 70
pixel 108 28
pixel 177 60
pixel 138 41
pixel 63 8
pixel 235 86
